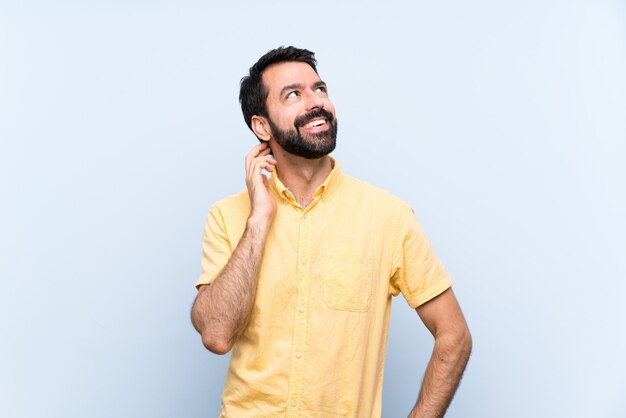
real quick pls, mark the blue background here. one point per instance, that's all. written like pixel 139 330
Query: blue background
pixel 502 123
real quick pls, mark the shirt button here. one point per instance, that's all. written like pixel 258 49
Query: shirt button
pixel 301 309
pixel 303 262
pixel 305 216
pixel 293 403
pixel 298 355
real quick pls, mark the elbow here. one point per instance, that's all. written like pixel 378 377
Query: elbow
pixel 215 344
pixel 466 343
pixel 457 344
pixel 463 344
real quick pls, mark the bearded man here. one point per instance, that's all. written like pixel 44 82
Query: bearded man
pixel 298 271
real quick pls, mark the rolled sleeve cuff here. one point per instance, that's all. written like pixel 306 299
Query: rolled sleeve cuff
pixel 432 292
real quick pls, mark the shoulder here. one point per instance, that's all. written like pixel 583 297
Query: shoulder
pixel 232 207
pixel 371 195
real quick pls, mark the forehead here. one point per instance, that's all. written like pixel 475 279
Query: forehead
pixel 277 76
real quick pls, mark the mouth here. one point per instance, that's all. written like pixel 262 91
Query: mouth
pixel 314 123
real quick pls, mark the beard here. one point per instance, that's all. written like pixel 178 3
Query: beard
pixel 310 146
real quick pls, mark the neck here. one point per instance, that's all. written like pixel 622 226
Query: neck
pixel 301 176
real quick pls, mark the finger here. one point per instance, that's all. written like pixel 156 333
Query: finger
pixel 256 168
pixel 267 166
pixel 266 159
pixel 257 164
pixel 255 151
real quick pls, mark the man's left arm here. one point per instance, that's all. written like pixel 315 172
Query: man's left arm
pixel 453 344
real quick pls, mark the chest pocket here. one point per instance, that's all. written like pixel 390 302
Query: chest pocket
pixel 347 279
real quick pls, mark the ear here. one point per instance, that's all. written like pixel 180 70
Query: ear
pixel 261 128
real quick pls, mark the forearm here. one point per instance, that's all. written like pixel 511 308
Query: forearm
pixel 443 374
pixel 221 309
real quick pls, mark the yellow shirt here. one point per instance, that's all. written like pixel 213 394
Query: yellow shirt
pixel 316 340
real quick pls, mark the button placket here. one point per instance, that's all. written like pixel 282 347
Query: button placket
pixel 300 320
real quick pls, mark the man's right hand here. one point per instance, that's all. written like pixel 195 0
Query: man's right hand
pixel 262 205
pixel 221 310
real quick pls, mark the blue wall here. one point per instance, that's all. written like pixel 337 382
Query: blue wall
pixel 503 124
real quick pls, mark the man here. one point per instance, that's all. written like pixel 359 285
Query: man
pixel 298 271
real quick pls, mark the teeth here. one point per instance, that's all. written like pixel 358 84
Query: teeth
pixel 315 123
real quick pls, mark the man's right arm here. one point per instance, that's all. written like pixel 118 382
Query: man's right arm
pixel 221 309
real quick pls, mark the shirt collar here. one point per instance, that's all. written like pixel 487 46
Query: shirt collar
pixel 324 190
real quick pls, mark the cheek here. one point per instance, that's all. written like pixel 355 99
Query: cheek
pixel 286 122
pixel 282 119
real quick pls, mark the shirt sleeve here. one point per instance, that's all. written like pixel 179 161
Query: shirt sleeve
pixel 216 248
pixel 418 273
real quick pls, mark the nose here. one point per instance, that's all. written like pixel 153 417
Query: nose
pixel 313 100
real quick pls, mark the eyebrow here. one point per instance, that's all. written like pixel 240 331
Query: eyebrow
pixel 319 84
pixel 300 86
pixel 296 86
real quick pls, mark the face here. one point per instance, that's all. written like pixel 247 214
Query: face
pixel 301 117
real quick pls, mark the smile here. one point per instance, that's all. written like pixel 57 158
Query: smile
pixel 314 123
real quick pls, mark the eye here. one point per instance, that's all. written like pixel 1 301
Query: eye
pixel 321 89
pixel 292 94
